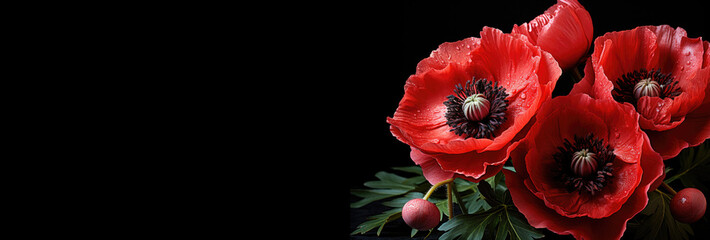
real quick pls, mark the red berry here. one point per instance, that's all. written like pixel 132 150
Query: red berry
pixel 688 205
pixel 420 214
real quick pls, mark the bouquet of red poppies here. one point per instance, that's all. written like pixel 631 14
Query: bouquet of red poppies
pixel 479 117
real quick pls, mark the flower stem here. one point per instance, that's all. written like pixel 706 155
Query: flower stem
pixel 431 190
pixel 669 189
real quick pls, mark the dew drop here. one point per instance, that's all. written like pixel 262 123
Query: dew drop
pixel 687 53
pixel 435 141
pixel 689 62
pixel 682 68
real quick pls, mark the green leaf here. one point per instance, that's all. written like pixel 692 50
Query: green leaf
pixel 471 226
pixel 388 185
pixel 475 202
pixel 463 185
pixel 694 170
pixel 503 220
pixel 488 194
pixel 371 195
pixel 378 221
pixel 502 232
pixel 410 169
pixel 413 232
pixel 518 227
pixel 400 201
pixel 656 221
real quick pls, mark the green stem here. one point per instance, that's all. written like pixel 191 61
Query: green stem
pixel 669 188
pixel 431 190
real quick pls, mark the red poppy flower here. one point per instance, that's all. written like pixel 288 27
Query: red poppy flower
pixel 564 30
pixel 469 101
pixel 663 74
pixel 584 168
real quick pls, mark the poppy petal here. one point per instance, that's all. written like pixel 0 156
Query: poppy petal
pixel 420 120
pixel 540 216
pixel 430 168
pixel 449 52
pixel 624 52
pixel 694 129
pixel 565 29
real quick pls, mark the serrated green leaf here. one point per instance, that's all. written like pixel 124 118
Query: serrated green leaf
pixel 388 185
pixel 378 221
pixel 692 162
pixel 502 232
pixel 371 195
pixel 389 180
pixel 475 202
pixel 442 206
pixel 499 186
pixel 519 227
pixel 463 185
pixel 471 226
pixel 488 193
pixel 503 220
pixel 656 221
pixel 400 201
pixel 410 169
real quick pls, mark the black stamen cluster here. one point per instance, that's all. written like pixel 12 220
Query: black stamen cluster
pixel 624 86
pixel 594 182
pixel 461 125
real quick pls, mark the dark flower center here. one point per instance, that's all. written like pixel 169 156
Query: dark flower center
pixel 586 165
pixel 476 109
pixel 634 85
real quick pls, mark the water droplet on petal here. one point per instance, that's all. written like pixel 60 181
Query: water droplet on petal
pixel 522 96
pixel 687 53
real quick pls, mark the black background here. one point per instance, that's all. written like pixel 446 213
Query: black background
pixel 382 44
